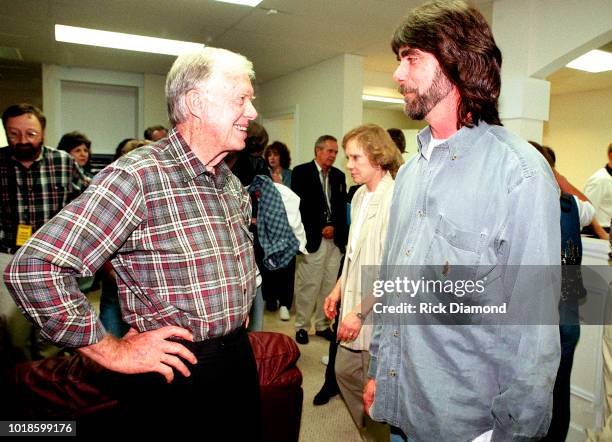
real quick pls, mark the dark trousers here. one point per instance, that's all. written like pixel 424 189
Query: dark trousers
pixel 221 395
pixel 559 425
pixel 330 371
pixel 278 284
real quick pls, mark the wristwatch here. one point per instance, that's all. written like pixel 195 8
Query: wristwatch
pixel 360 316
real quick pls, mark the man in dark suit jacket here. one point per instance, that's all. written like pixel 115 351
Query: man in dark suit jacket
pixel 322 190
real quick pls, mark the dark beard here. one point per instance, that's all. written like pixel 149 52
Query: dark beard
pixel 422 104
pixel 26 151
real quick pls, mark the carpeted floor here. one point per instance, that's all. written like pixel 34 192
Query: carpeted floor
pixel 324 423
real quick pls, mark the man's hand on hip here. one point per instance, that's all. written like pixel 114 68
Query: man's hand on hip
pixel 328 232
pixel 144 352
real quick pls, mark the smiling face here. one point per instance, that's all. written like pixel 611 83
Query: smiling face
pixel 421 82
pixel 359 165
pixel 80 154
pixel 227 110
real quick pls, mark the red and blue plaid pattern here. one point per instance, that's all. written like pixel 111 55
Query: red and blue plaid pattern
pixel 178 238
pixel 33 196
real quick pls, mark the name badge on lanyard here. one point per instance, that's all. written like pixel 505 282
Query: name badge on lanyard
pixel 24 232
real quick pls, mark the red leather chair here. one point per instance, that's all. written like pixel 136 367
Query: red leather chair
pixel 73 388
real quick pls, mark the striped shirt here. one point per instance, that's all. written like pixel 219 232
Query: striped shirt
pixel 179 242
pixel 32 196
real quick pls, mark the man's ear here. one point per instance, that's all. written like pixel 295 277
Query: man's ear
pixel 194 101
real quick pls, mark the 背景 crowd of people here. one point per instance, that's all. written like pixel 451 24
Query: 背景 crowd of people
pixel 195 230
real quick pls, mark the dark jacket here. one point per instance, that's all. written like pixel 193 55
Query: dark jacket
pixel 305 182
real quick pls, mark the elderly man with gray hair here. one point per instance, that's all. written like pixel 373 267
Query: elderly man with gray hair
pixel 174 222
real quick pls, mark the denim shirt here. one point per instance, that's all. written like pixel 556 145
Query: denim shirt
pixel 485 198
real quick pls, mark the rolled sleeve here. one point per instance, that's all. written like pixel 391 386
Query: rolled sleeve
pixel 42 277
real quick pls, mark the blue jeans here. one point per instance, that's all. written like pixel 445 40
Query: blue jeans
pixel 256 314
pixel 110 310
pixel 559 426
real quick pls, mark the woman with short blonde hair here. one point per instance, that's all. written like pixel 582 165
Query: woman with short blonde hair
pixel 373 161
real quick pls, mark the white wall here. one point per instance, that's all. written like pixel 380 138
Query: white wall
pixel 105 113
pixel 282 129
pixel 328 96
pixel 390 118
pixel 563 29
pixel 380 83
pixel 536 38
pixel 385 117
pixel 155 110
pixel 579 131
pixel 539 37
pixel 151 101
pixel 53 76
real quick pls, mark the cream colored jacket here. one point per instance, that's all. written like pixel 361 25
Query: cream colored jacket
pixel 368 251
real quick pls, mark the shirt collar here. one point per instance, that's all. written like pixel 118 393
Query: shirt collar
pixel 459 143
pixel 189 164
pixel 319 168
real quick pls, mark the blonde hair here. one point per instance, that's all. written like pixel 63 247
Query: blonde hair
pixel 377 145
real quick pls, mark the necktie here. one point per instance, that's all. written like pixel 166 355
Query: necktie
pixel 326 193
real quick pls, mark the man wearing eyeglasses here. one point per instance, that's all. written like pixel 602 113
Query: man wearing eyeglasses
pixel 36 182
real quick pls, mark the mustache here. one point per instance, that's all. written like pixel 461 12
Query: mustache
pixel 24 146
pixel 25 151
pixel 404 90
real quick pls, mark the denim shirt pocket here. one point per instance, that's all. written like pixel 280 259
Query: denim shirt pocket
pixel 454 253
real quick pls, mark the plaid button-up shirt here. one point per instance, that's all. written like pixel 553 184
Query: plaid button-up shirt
pixel 32 196
pixel 179 241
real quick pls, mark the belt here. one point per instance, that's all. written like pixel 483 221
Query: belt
pixel 212 345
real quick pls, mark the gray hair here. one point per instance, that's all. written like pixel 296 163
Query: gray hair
pixel 320 143
pixel 195 68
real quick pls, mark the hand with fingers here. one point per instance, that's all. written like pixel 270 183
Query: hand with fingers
pixel 369 393
pixel 328 232
pixel 349 327
pixel 147 352
pixel 330 306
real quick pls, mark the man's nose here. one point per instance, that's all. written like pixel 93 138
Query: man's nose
pixel 250 112
pixel 400 72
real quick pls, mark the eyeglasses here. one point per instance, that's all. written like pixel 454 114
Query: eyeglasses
pixel 15 135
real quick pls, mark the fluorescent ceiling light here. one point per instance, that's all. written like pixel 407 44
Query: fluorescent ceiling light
pixel 593 61
pixel 251 3
pixel 117 40
pixel 382 99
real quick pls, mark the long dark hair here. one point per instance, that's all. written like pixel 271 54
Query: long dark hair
pixel 462 42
